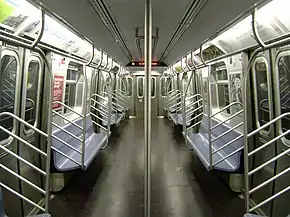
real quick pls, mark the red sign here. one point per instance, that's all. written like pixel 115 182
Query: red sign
pixel 57 90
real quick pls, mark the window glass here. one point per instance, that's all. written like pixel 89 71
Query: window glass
pixel 72 77
pixel 220 81
pixel 123 84
pixel 262 92
pixel 166 85
pixel 8 74
pixel 130 86
pixel 32 77
pixel 153 86
pixel 140 87
pixel 163 86
pixel 284 90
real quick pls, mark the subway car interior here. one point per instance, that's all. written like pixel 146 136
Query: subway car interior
pixel 153 108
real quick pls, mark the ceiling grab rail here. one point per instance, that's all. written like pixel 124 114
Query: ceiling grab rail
pixel 34 46
pixel 244 91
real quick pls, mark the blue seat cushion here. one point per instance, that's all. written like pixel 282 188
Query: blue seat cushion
pixel 93 144
pixel 200 144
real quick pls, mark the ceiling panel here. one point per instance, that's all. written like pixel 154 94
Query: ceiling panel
pixel 214 16
pixel 129 14
pixel 83 17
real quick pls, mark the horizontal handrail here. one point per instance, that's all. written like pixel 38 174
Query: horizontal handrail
pixel 269 180
pixel 229 155
pixel 270 198
pixel 193 111
pixel 228 106
pixel 21 196
pixel 23 179
pixel 191 104
pixel 67 132
pixel 65 118
pixel 99 103
pixel 67 107
pixel 103 105
pixel 98 117
pixel 100 126
pixel 106 114
pixel 268 143
pixel 24 122
pixel 268 124
pixel 65 155
pixel 228 144
pixel 227 119
pixel 269 161
pixel 196 116
pixel 23 141
pixel 189 128
pixel 228 131
pixel 102 97
pixel 68 145
pixel 23 160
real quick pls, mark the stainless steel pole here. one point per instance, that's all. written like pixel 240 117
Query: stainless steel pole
pixel 147 106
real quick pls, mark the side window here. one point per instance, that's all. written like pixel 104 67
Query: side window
pixel 123 84
pixel 8 75
pixel 284 90
pixel 220 84
pixel 130 86
pixel 72 77
pixel 32 78
pixel 140 87
pixel 260 77
pixel 163 81
pixel 153 87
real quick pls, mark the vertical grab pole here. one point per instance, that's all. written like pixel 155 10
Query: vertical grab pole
pixel 244 91
pixel 109 104
pixel 85 106
pixel 184 96
pixel 187 87
pixel 147 105
pixel 50 102
pixel 208 103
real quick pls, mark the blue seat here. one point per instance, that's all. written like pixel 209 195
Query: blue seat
pixel 200 144
pixel 93 144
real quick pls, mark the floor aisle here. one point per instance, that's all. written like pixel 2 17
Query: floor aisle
pixel 113 185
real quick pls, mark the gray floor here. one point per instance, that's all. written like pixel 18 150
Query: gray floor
pixel 113 185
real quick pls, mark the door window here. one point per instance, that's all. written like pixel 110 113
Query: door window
pixel 153 87
pixel 8 76
pixel 260 78
pixel 140 87
pixel 130 86
pixel 221 84
pixel 72 77
pixel 284 91
pixel 32 88
pixel 166 86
